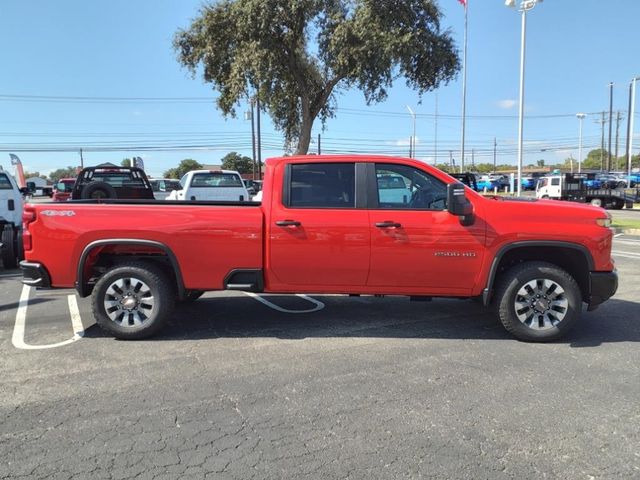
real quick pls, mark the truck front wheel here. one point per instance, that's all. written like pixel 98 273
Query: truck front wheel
pixel 538 301
pixel 9 247
pixel 133 300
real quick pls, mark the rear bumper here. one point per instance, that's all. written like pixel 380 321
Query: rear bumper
pixel 602 286
pixel 35 275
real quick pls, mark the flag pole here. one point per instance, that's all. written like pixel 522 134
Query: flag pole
pixel 464 86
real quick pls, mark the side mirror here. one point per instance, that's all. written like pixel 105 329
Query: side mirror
pixel 458 204
pixel 23 190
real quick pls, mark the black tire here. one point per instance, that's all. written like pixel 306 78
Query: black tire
pixel 538 327
pixel 97 191
pixel 191 296
pixel 124 326
pixel 618 204
pixel 9 248
pixel 20 245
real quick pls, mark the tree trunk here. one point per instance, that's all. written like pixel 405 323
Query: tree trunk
pixel 305 130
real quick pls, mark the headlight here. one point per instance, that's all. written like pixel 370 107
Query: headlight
pixel 604 222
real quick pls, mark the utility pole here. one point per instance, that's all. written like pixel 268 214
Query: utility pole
pixel 259 147
pixel 451 158
pixel 473 158
pixel 617 137
pixel 81 160
pixel 602 121
pixel 435 129
pixel 610 125
pixel 626 150
pixel 253 139
pixel 319 147
pixel 495 146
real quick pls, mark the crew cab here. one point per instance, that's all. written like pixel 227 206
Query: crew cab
pixel 328 225
pixel 211 185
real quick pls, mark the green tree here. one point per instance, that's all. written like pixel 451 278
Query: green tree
pixel 593 161
pixel 295 54
pixel 56 175
pixel 540 163
pixel 235 161
pixel 126 162
pixel 185 166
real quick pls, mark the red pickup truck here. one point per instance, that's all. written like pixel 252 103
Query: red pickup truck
pixel 329 225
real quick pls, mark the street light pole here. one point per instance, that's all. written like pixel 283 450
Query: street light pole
pixel 412 141
pixel 632 114
pixel 580 118
pixel 525 6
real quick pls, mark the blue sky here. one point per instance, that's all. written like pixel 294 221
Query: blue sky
pixel 122 48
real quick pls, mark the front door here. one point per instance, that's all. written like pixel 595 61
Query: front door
pixel 416 244
pixel 318 234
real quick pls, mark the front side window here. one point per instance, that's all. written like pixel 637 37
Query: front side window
pixel 403 187
pixel 216 179
pixel 322 185
pixel 5 184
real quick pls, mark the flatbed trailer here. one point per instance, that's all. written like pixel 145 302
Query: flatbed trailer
pixel 573 188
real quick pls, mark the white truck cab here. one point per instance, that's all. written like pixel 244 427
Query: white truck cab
pixel 10 220
pixel 549 187
pixel 211 185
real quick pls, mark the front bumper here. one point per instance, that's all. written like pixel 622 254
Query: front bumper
pixel 35 275
pixel 602 286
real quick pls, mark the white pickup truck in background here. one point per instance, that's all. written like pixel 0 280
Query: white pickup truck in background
pixel 211 185
pixel 11 205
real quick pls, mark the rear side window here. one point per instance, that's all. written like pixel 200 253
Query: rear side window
pixel 322 185
pixel 216 179
pixel 5 184
pixel 555 181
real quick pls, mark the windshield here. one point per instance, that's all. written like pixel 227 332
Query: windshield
pixel 5 184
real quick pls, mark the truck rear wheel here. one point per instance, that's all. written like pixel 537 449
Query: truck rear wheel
pixel 133 300
pixel 9 247
pixel 538 301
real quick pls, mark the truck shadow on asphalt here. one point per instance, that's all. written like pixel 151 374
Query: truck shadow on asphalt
pixel 243 317
pixel 14 305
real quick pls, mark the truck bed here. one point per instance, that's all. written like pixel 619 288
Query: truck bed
pixel 208 239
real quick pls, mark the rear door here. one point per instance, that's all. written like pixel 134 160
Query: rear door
pixel 318 229
pixel 416 244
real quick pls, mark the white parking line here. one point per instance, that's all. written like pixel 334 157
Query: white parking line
pixel 318 304
pixel 620 252
pixel 21 318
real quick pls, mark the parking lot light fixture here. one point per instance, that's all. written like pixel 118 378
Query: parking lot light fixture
pixel 580 117
pixel 525 6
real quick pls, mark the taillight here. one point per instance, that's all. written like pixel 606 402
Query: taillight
pixel 28 217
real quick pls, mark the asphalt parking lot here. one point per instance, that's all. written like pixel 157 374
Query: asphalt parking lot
pixel 361 388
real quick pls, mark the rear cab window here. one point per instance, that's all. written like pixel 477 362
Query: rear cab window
pixel 320 185
pixel 216 179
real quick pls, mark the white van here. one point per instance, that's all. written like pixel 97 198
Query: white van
pixel 211 185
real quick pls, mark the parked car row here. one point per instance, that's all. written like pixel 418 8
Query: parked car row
pixel 112 182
